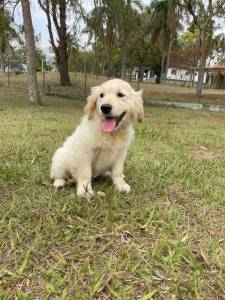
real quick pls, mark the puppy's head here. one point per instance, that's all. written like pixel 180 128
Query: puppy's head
pixel 116 103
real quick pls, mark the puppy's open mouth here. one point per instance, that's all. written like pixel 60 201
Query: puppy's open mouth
pixel 110 123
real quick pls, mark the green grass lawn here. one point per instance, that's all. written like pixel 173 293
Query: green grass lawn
pixel 165 240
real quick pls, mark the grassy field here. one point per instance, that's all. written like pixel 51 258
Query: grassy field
pixel 152 91
pixel 165 240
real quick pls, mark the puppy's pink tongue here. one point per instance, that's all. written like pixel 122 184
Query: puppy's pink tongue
pixel 108 124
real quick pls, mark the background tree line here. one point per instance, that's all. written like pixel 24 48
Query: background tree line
pixel 122 35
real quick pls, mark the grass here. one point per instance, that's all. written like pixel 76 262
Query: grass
pixel 163 92
pixel 163 241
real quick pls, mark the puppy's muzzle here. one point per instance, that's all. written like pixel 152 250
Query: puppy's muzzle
pixel 106 109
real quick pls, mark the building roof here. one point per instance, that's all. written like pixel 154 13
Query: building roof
pixel 216 69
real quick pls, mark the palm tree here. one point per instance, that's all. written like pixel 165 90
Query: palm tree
pixel 127 18
pixel 165 21
pixel 141 44
pixel 94 28
pixel 102 23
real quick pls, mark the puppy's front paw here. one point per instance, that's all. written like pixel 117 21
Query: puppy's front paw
pixel 59 183
pixel 123 187
pixel 85 193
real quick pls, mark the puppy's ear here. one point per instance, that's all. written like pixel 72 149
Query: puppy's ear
pixel 90 107
pixel 91 102
pixel 139 106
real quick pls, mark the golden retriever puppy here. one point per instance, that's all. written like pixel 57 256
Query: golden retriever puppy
pixel 99 144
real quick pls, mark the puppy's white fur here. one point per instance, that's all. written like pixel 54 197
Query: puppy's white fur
pixel 89 151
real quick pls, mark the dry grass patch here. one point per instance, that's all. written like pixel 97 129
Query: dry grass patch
pixel 162 92
pixel 204 154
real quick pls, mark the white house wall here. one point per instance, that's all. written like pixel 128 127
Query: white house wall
pixel 182 75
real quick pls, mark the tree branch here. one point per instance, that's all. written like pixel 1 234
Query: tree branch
pixel 55 20
pixel 46 9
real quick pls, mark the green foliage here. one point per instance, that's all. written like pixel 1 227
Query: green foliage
pixel 8 35
pixel 186 53
pixel 188 39
pixel 40 57
pixel 17 59
pixel 219 46
pixel 134 47
pixel 7 32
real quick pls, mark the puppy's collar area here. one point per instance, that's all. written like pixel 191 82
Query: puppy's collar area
pixel 110 122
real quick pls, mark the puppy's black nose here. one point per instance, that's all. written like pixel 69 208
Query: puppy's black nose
pixel 106 108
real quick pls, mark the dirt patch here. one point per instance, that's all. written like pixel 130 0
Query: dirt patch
pixel 204 153
pixel 3 193
pixel 216 223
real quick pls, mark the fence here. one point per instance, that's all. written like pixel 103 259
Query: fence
pixel 49 84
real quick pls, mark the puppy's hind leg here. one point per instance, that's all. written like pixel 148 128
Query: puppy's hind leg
pixel 59 176
pixel 58 169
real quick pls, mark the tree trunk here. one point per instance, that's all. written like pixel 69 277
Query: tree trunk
pixel 124 62
pixel 2 62
pixel 2 47
pixel 130 76
pixel 219 81
pixel 63 49
pixel 141 73
pixel 201 67
pixel 96 68
pixel 168 58
pixel 201 70
pixel 30 53
pixel 109 43
pixel 109 62
pixel 162 67
pixel 192 72
pixel 96 60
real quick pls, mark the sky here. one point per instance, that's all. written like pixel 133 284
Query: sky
pixel 40 21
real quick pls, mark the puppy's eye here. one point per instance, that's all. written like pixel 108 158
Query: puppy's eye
pixel 101 95
pixel 120 95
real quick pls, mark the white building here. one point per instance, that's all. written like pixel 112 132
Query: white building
pixel 183 74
